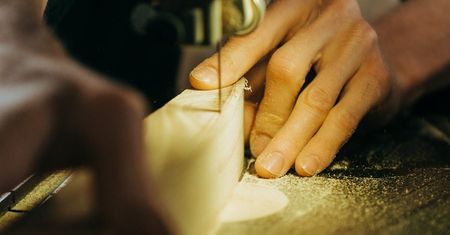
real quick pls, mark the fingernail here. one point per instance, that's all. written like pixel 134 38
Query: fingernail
pixel 273 163
pixel 311 165
pixel 204 74
pixel 259 143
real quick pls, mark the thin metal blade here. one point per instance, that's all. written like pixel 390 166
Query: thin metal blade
pixel 219 69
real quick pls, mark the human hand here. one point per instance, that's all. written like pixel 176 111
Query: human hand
pixel 297 124
pixel 54 113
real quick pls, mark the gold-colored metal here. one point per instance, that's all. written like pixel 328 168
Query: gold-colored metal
pixel 241 17
pixel 32 196
pixel 219 70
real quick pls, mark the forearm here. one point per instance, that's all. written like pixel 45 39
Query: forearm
pixel 415 41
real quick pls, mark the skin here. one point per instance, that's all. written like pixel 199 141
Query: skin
pixel 416 55
pixel 55 113
pixel 293 124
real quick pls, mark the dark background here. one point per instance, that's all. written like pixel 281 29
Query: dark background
pixel 100 35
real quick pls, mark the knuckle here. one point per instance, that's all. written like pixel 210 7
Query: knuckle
pixel 364 34
pixel 345 120
pixel 281 65
pixel 268 123
pixel 367 32
pixel 371 35
pixel 282 70
pixel 317 100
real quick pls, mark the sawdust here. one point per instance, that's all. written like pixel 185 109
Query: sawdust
pixel 330 204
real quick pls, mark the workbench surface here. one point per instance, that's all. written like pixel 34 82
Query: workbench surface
pixel 396 181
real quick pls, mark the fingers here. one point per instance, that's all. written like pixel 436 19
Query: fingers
pixel 286 71
pixel 284 80
pixel 240 53
pixel 107 119
pixel 290 64
pixel 311 108
pixel 44 102
pixel 365 90
pixel 111 125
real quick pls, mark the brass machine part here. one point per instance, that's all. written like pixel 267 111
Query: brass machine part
pixel 240 17
pixel 199 22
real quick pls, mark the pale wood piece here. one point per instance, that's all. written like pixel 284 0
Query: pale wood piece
pixel 195 155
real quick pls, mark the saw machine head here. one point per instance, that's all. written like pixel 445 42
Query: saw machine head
pixel 198 22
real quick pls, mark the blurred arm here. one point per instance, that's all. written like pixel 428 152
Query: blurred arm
pixel 415 41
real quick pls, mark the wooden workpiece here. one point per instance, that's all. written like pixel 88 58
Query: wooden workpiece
pixel 196 155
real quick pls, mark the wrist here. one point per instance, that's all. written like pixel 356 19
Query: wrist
pixel 414 41
pixel 407 86
pixel 407 76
